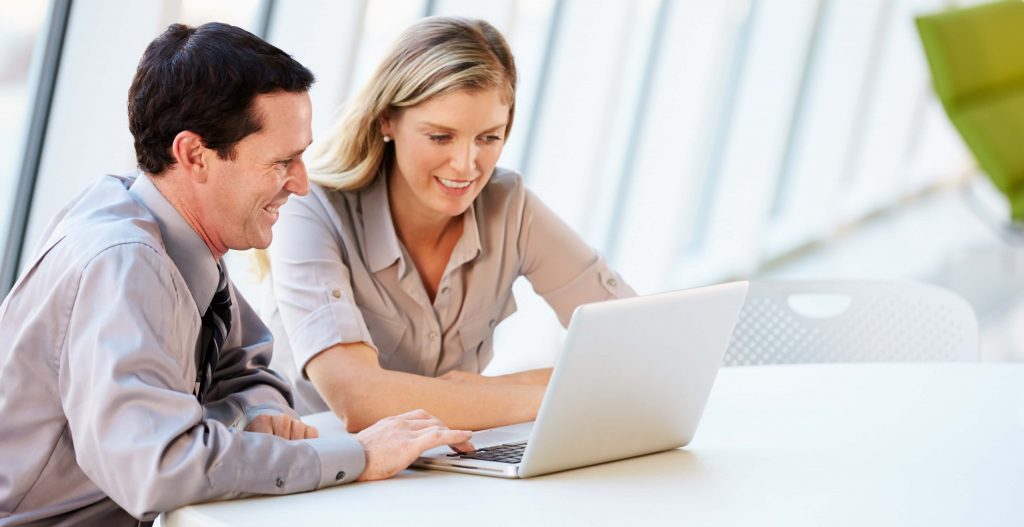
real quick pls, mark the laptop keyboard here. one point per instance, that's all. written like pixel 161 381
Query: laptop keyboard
pixel 507 453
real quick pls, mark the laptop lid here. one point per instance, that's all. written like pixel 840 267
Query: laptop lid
pixel 633 377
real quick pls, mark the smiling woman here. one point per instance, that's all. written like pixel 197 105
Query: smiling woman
pixel 392 274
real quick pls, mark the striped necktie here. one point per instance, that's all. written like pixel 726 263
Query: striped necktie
pixel 216 324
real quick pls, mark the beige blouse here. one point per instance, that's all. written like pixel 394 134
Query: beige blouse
pixel 341 275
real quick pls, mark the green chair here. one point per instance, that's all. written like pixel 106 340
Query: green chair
pixel 976 56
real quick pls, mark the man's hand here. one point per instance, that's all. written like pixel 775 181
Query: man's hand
pixel 393 443
pixel 282 425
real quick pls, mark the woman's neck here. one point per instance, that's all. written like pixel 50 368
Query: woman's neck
pixel 415 226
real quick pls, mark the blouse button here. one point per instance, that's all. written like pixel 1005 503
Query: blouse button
pixel 336 293
pixel 492 323
pixel 433 335
pixel 444 290
pixel 612 282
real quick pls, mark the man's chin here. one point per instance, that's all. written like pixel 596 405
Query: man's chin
pixel 258 243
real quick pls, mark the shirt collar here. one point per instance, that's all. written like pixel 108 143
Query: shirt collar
pixel 468 246
pixel 187 250
pixel 382 245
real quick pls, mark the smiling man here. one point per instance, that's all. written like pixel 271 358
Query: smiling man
pixel 133 377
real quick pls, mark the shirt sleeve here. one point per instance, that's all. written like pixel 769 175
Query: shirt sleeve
pixel 312 284
pixel 562 268
pixel 244 386
pixel 126 377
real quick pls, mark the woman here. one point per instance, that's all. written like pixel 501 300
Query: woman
pixel 391 275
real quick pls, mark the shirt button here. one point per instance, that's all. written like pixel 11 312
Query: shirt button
pixel 339 476
pixel 279 483
pixel 336 293
pixel 433 335
pixel 612 282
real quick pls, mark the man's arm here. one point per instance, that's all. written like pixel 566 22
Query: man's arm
pixel 245 389
pixel 360 392
pixel 126 376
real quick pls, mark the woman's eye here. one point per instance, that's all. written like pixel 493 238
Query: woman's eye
pixel 492 139
pixel 440 138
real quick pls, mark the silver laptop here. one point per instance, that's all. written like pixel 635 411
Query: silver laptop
pixel 632 379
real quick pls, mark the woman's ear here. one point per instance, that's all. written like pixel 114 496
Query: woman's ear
pixel 189 154
pixel 385 124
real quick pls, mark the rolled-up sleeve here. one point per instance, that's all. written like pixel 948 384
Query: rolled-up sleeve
pixel 560 265
pixel 312 284
pixel 126 377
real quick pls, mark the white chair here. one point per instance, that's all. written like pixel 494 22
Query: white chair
pixel 786 322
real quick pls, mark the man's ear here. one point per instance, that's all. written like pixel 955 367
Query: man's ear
pixel 191 155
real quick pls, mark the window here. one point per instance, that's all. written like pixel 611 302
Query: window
pixel 19 41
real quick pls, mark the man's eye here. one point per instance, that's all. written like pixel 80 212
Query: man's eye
pixel 285 162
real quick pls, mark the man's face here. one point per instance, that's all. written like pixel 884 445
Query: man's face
pixel 241 197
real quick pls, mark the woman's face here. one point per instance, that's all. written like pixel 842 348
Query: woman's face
pixel 445 151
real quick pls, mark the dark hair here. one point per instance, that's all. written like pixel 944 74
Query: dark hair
pixel 205 80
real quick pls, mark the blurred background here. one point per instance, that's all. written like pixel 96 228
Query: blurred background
pixel 690 141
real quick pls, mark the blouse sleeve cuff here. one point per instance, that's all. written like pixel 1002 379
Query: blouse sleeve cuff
pixel 335 323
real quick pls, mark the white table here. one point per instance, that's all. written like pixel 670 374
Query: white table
pixel 895 444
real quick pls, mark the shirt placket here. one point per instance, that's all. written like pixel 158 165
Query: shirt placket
pixel 427 333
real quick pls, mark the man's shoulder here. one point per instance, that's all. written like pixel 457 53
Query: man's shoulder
pixel 103 216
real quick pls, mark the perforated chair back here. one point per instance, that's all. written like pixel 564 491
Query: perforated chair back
pixel 786 322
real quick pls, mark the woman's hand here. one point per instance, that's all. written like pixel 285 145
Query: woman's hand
pixel 467 377
pixel 529 377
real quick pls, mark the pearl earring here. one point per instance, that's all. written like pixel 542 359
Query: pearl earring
pixel 387 138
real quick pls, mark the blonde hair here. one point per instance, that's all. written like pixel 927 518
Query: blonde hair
pixel 433 57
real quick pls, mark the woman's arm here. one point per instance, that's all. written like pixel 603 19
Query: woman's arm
pixel 360 392
pixel 539 377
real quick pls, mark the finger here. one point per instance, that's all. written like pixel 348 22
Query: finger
pixel 312 432
pixel 282 425
pixel 435 437
pixel 297 429
pixel 420 424
pixel 463 447
pixel 260 424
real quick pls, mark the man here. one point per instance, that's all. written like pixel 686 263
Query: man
pixel 133 378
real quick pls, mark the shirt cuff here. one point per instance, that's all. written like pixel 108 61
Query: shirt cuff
pixel 342 459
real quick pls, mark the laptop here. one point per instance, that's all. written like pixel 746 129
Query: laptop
pixel 632 379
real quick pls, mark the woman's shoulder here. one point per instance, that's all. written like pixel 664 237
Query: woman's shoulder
pixel 504 185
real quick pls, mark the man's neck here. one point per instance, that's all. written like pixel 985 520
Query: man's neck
pixel 182 199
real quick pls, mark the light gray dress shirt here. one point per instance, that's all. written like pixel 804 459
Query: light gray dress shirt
pixel 341 275
pixel 98 419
